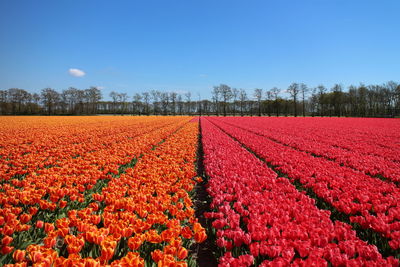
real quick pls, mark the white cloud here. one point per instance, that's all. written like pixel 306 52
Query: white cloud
pixel 100 87
pixel 76 72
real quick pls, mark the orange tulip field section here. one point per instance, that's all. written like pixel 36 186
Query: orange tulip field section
pixel 93 191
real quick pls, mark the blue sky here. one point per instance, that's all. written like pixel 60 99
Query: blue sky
pixel 133 46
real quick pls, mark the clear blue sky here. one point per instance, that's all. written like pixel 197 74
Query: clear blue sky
pixel 132 46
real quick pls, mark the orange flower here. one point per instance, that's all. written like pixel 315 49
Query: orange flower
pixel 24 218
pixel 48 227
pixel 153 237
pixel 95 219
pixel 50 242
pixel 200 236
pixel 35 256
pixel 74 243
pixel 6 249
pixel 182 253
pixel 197 227
pixel 106 254
pixel 39 224
pixel 62 203
pixel 135 242
pixel 19 255
pixel 131 259
pixel 167 235
pixel 89 262
pixel 157 255
pixel 187 233
pixel 7 230
pixel 6 240
pixel 167 260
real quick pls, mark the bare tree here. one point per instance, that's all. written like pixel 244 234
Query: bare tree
pixel 397 98
pixel 17 98
pixel 50 98
pixel 242 99
pixel 293 90
pixel 3 101
pixel 258 95
pixel 303 90
pixel 226 95
pixel 180 105
pixel 337 99
pixel 173 96
pixel 29 106
pixel 164 98
pixel 115 96
pixel 275 92
pixel 215 97
pixel 94 96
pixel 235 94
pixel 70 97
pixel 123 98
pixel 321 99
pixel 146 98
pixel 188 97
pixel 269 96
pixel 136 103
pixel 392 88
pixel 155 95
pixel 64 103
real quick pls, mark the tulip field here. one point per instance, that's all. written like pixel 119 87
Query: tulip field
pixel 190 191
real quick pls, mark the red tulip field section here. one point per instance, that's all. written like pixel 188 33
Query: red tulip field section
pixel 189 191
pixel 96 191
pixel 369 146
pixel 303 191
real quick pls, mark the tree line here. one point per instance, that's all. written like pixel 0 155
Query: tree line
pixel 296 100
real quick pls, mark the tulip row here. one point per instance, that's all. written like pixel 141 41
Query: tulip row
pixel 318 144
pixel 358 134
pixel 260 218
pixel 30 205
pixel 368 201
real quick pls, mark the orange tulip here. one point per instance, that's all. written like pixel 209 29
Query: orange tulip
pixel 39 224
pixel 24 218
pixel 36 256
pixel 200 237
pixel 62 204
pixel 6 240
pixel 6 249
pixel 135 242
pixel 157 255
pixel 182 253
pixel 48 227
pixel 19 255
pixel 187 233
